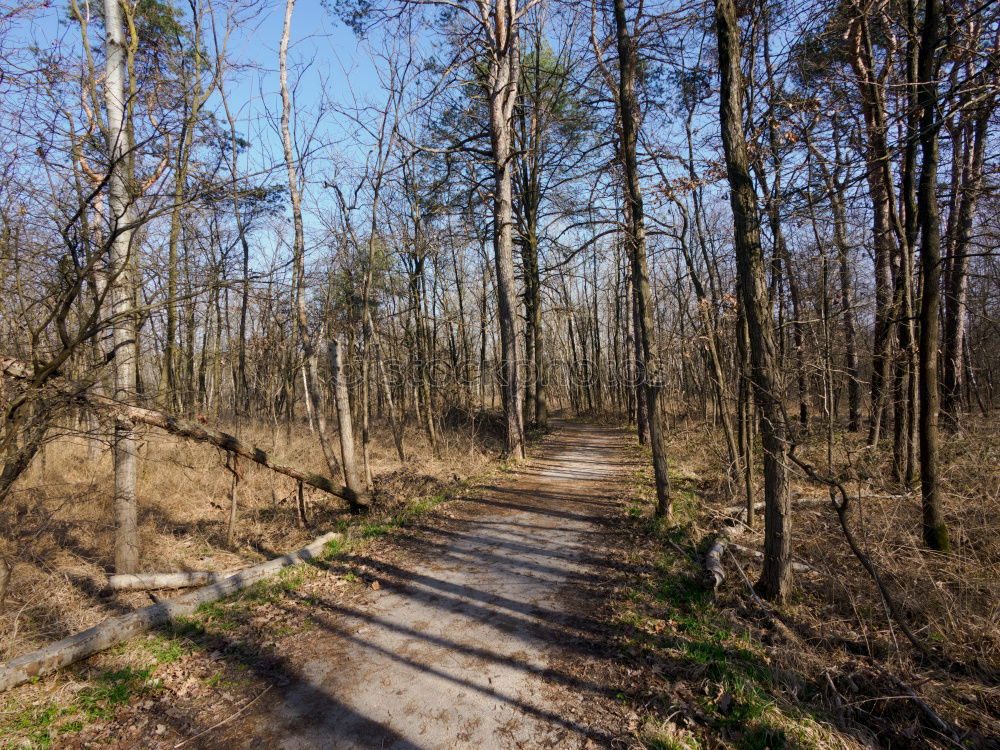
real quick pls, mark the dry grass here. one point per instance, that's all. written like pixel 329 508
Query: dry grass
pixel 838 621
pixel 58 524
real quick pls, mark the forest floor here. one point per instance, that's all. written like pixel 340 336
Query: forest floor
pixel 471 625
pixel 540 605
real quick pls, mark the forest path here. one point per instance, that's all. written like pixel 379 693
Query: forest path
pixel 479 634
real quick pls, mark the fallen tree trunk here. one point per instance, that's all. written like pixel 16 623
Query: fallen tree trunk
pixel 733 509
pixel 713 559
pixel 798 567
pixel 117 629
pixel 733 527
pixel 197 431
pixel 143 581
pixel 183 428
pixel 799 500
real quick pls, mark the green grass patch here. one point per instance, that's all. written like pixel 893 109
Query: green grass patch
pixel 114 689
pixel 670 618
pixel 166 649
pixel 39 726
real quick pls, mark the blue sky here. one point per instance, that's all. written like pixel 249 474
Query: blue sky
pixel 325 57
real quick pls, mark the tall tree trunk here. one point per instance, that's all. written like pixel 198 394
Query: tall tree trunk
pixel 503 74
pixel 934 528
pixel 906 369
pixel 535 406
pixel 880 187
pixel 309 355
pixel 651 369
pixel 638 382
pixel 628 348
pixel 776 576
pixel 746 414
pixel 122 292
pixel 958 280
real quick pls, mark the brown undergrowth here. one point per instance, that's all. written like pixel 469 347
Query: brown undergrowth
pixel 828 669
pixel 58 530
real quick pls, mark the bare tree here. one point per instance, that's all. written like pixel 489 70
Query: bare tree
pixel 123 288
pixel 650 368
pixel 776 576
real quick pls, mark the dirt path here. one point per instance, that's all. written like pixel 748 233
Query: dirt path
pixel 477 635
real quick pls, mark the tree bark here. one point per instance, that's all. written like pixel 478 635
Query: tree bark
pixel 957 282
pixel 146 581
pixel 880 187
pixel 122 291
pixel 503 74
pixel 935 531
pixel 309 355
pixel 358 496
pixel 776 577
pixel 650 367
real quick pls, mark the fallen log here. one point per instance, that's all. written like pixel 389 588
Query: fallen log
pixel 760 505
pixel 733 527
pixel 15 368
pixel 799 500
pixel 114 630
pixel 223 440
pixel 713 558
pixel 183 428
pixel 798 567
pixel 143 581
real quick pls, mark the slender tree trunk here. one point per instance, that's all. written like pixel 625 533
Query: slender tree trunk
pixel 346 428
pixel 651 369
pixel 635 355
pixel 503 74
pixel 958 280
pixel 880 188
pixel 122 293
pixel 907 368
pixel 776 577
pixel 535 406
pixel 309 355
pixel 935 530
pixel 233 462
pixel 746 414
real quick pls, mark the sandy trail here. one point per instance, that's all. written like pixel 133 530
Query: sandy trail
pixel 466 642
